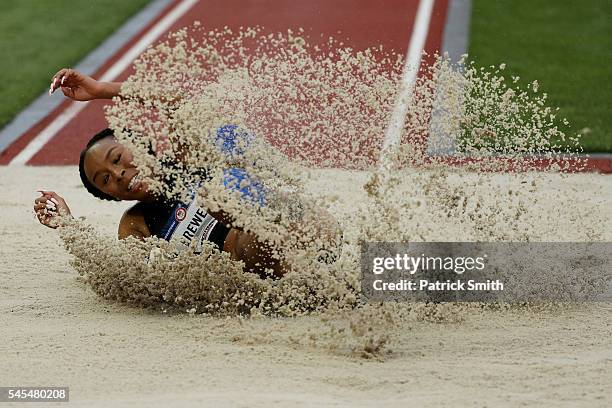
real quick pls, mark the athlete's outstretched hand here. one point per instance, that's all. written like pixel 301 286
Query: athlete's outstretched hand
pixel 80 87
pixel 49 207
pixel 75 85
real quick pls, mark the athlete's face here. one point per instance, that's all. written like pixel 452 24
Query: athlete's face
pixel 108 166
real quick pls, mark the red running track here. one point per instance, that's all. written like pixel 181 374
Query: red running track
pixel 359 23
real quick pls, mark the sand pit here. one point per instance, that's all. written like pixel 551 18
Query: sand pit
pixel 56 331
pixel 119 330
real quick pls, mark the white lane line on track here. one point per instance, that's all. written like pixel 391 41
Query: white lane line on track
pixel 409 75
pixel 117 68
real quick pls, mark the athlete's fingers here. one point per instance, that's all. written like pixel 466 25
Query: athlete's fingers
pixel 62 72
pixel 53 83
pixel 51 198
pixel 66 76
pixel 43 199
pixel 71 78
pixel 56 79
pixel 41 217
pixel 48 206
pixel 47 222
pixel 62 78
pixel 46 217
pixel 59 73
pixel 68 92
pixel 45 208
pixel 59 204
pixel 58 200
pixel 51 195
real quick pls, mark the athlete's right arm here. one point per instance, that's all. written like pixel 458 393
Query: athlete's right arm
pixel 133 224
pixel 80 87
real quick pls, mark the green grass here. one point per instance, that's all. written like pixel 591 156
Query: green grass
pixel 565 44
pixel 39 37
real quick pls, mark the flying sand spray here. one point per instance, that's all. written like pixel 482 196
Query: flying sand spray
pixel 319 112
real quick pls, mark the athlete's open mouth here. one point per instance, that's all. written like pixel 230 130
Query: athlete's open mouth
pixel 134 183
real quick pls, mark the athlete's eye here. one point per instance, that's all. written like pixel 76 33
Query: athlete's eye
pixel 117 159
pixel 106 179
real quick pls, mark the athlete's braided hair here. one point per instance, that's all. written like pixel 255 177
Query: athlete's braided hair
pixel 89 186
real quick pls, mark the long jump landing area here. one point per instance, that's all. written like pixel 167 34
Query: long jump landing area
pixel 57 135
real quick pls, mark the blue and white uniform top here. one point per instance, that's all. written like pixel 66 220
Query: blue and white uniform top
pixel 188 224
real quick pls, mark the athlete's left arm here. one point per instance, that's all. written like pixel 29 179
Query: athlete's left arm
pixel 80 87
